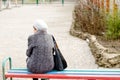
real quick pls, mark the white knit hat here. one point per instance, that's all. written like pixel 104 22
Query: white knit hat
pixel 40 25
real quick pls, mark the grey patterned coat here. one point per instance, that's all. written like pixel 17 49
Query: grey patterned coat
pixel 39 52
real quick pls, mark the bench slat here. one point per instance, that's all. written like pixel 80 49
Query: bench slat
pixel 73 72
pixel 80 70
pixel 60 76
pixel 66 74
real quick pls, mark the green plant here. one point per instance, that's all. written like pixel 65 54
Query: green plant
pixel 113 26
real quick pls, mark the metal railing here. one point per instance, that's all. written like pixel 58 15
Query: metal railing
pixel 10 3
pixel 40 1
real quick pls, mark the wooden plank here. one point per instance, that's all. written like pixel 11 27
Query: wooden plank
pixel 82 70
pixel 109 74
pixel 57 76
pixel 73 72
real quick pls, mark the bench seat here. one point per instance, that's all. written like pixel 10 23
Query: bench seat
pixel 67 74
pixel 89 74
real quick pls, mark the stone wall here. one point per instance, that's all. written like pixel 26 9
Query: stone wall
pixel 104 57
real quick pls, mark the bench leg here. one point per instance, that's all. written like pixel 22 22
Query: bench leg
pixel 10 78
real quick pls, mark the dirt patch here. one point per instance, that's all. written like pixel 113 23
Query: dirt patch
pixel 113 45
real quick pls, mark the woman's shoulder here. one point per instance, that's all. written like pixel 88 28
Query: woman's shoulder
pixel 49 34
pixel 31 36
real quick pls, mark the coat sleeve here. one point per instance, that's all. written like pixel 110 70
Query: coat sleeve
pixel 30 46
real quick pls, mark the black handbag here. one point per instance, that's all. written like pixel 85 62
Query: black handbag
pixel 59 61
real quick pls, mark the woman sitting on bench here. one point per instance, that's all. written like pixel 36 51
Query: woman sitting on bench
pixel 40 49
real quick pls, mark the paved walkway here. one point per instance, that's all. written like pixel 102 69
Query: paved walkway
pixel 16 26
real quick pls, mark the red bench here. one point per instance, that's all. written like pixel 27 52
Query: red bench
pixel 89 74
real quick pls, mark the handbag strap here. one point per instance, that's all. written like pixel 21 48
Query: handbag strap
pixel 55 43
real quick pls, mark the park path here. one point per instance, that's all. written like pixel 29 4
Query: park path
pixel 16 26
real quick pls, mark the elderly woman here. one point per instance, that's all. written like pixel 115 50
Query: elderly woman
pixel 40 49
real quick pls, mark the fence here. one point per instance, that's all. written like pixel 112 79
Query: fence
pixel 41 1
pixel 11 3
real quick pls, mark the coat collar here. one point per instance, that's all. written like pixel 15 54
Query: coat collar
pixel 41 32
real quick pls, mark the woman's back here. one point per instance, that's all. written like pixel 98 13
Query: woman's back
pixel 39 52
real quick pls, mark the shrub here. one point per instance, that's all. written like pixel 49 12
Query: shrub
pixel 89 18
pixel 113 26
